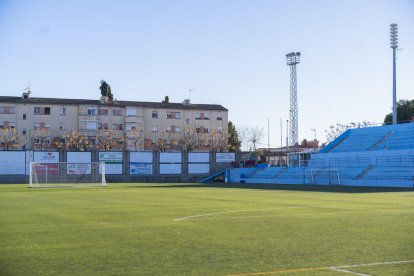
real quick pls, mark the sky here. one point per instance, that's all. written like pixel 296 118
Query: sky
pixel 228 52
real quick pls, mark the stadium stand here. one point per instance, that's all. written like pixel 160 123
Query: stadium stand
pixel 370 156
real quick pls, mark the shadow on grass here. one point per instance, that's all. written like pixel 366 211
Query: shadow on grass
pixel 283 187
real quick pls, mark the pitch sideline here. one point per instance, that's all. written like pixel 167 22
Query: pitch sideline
pixel 339 268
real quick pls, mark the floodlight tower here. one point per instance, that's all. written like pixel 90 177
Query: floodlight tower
pixel 292 59
pixel 394 46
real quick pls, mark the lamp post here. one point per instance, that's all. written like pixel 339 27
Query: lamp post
pixel 394 46
pixel 314 131
pixel 292 59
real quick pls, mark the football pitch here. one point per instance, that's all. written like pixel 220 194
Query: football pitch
pixel 199 229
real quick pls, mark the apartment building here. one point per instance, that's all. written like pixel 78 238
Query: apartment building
pixel 43 123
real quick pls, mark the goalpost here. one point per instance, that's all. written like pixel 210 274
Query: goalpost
pixel 67 174
pixel 325 176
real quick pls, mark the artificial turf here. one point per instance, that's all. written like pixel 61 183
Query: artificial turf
pixel 199 229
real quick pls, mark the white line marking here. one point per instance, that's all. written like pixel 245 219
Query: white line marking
pixel 372 264
pixel 339 268
pixel 333 268
pixel 228 212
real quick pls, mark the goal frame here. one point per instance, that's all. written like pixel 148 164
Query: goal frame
pixel 314 173
pixel 33 179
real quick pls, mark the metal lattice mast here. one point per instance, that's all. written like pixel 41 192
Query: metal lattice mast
pixel 394 46
pixel 292 59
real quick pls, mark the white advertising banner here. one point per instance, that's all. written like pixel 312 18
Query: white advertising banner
pixel 198 157
pixel 170 157
pixel 225 157
pixel 140 163
pixel 113 161
pixel 198 168
pixel 48 158
pixel 140 168
pixel 140 156
pixel 12 162
pixel 170 168
pixel 78 162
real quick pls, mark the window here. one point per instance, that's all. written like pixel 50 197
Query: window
pixel 173 115
pixel 92 112
pixel 46 141
pixel 62 127
pixel 62 111
pixel 62 140
pixel 42 125
pixel 201 129
pixel 41 110
pixel 103 112
pixel 11 124
pixel 36 141
pixel 7 110
pixel 219 118
pixel 202 116
pixel 117 112
pixel 103 126
pixel 219 129
pixel 154 129
pixel 130 126
pixel 24 116
pixel 92 125
pixel 117 126
pixel 155 114
pixel 24 131
pixel 131 111
pixel 173 129
pixel 187 121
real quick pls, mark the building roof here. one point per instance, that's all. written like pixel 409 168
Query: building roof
pixel 34 100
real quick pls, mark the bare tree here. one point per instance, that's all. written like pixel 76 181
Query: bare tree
pixel 74 140
pixel 188 139
pixel 242 133
pixel 135 137
pixel 9 138
pixel 42 136
pixel 110 140
pixel 254 136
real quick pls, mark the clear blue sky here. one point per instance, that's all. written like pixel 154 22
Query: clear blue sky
pixel 230 52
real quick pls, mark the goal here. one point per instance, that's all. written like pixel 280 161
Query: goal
pixel 67 174
pixel 325 177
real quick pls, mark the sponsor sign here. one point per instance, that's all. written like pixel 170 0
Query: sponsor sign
pixel 78 168
pixel 225 157
pixel 48 162
pixel 110 157
pixel 113 161
pixel 140 168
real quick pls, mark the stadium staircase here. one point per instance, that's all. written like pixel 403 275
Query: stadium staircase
pixel 370 156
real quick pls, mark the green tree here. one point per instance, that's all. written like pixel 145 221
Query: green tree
pixel 405 112
pixel 233 140
pixel 166 99
pixel 106 90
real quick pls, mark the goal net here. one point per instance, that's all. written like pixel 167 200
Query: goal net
pixel 65 174
pixel 325 177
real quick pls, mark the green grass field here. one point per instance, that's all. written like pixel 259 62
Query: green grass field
pixel 192 229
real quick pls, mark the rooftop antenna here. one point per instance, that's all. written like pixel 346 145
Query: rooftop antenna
pixel 28 87
pixel 189 93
